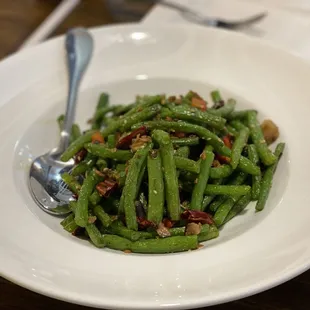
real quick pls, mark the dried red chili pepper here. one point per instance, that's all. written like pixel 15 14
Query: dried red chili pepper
pixel 197 217
pixel 227 141
pixel 168 223
pixel 80 155
pixel 125 142
pixel 222 159
pixel 199 103
pixel 144 223
pixel 106 187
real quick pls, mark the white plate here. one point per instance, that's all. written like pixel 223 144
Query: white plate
pixel 253 253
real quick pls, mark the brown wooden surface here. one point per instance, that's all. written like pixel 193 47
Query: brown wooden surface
pixel 18 18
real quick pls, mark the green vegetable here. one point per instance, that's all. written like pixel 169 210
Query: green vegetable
pixel 257 136
pixel 188 141
pixel 201 184
pixel 81 212
pixel 102 151
pixel 237 148
pixel 197 116
pixel 238 207
pixel 165 245
pixel 182 126
pixel 266 183
pixel 72 183
pixel 102 216
pixel 76 145
pixel 186 164
pixel 210 234
pixel 256 179
pixel 130 190
pixel 226 110
pixel 170 173
pixel 156 191
pixel 125 123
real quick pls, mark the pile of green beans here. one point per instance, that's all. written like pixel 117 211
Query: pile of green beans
pixel 163 174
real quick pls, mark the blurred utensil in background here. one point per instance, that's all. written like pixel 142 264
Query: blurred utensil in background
pixel 132 10
pixel 199 18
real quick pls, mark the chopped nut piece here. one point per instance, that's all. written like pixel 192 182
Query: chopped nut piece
pixel 270 131
pixel 139 142
pixel 163 231
pixel 193 229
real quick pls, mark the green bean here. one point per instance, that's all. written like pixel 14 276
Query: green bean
pixel 170 173
pixel 237 148
pixel 206 201
pixel 211 234
pixel 237 124
pixel 101 164
pixel 228 190
pixel 237 179
pixel 111 141
pixel 71 182
pixel 155 188
pixel 146 102
pixel 69 223
pixel 180 231
pixel 102 151
pixel 84 165
pixel 60 121
pixel 226 110
pixel 182 151
pixel 76 145
pixel 216 96
pixel 256 179
pixel 75 132
pixel 102 105
pixel 223 210
pixel 197 116
pixel 186 164
pixel 103 101
pixel 95 235
pixel 130 190
pixel 116 242
pixel 216 203
pixel 125 123
pixel 238 207
pixel 239 115
pixel 245 164
pixel 121 169
pixel 165 245
pixel 81 212
pixel 266 156
pixel 231 130
pixel 102 216
pixel 266 183
pixel 181 126
pixel 220 172
pixel 122 109
pixel 100 115
pixel 187 141
pixel 207 158
pixel 95 198
pixel 117 228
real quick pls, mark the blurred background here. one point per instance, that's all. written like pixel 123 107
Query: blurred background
pixel 19 18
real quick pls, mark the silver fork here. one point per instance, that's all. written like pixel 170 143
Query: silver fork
pixel 199 18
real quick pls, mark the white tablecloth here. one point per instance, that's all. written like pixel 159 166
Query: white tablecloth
pixel 287 23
